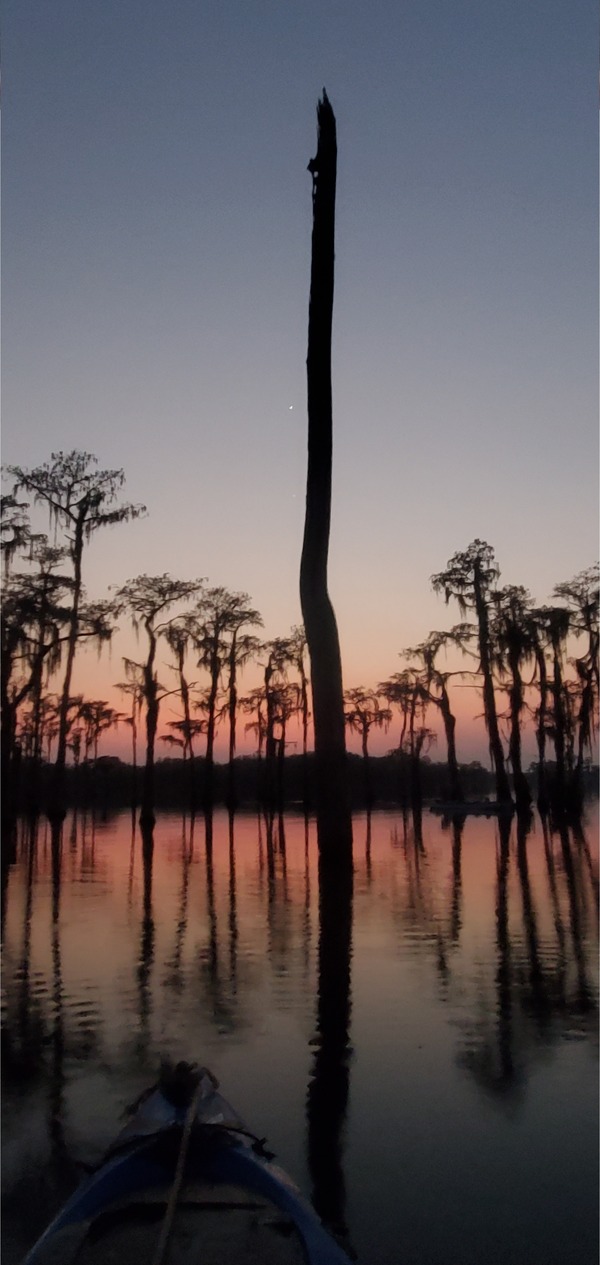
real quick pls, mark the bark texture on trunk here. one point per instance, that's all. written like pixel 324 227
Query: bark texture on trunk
pixel 333 805
pixel 329 1086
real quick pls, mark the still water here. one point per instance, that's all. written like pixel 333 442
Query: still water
pixel 453 1105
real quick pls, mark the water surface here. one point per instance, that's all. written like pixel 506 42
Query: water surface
pixel 442 1109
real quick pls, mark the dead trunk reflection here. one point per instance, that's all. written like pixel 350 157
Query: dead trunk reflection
pixel 328 1088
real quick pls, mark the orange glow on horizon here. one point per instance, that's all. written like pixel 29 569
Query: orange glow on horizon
pixel 96 676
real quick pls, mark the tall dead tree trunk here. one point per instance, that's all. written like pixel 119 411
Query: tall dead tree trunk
pixel 334 822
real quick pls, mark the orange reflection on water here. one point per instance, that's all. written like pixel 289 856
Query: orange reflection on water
pixel 472 969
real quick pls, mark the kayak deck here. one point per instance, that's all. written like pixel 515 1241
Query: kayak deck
pixel 186 1183
pixel 229 1222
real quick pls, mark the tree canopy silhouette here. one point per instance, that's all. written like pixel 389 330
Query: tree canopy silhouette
pixel 435 683
pixel 513 646
pixel 468 578
pixel 216 623
pixel 82 499
pixel 146 598
pixel 364 712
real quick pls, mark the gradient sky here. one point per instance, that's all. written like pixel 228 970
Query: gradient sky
pixel 156 242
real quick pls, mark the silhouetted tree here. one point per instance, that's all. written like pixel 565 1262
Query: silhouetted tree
pixel 557 622
pixel 581 595
pixel 279 656
pixel 134 689
pixel 31 621
pixel 364 713
pixel 298 649
pixel 435 683
pixel 277 701
pixel 513 646
pixel 183 736
pixel 254 704
pixel 468 578
pixel 145 599
pixel 539 629
pixel 177 637
pixel 218 616
pixel 243 646
pixel 50 710
pixel 15 529
pixel 74 744
pixel 333 810
pixel 286 703
pixel 421 739
pixel 97 716
pixel 399 690
pixel 49 592
pixel 81 499
pixel 35 613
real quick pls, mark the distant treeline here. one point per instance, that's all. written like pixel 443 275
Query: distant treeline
pixel 534 667
pixel 112 783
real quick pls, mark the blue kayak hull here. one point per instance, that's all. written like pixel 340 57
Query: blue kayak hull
pixel 226 1172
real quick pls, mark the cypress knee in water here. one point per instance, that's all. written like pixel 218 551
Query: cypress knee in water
pixel 334 823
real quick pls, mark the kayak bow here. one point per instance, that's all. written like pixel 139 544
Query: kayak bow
pixel 185 1181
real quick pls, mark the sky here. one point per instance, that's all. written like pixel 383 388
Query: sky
pixel 156 261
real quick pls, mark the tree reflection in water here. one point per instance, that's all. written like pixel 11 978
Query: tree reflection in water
pixel 211 953
pixel 328 1088
pixel 537 996
pixel 61 1161
pixel 583 848
pixel 537 1003
pixel 233 928
pixel 458 825
pixel 585 1000
pixel 210 959
pixel 368 869
pixel 174 977
pixel 22 1045
pixel 130 872
pixel 146 952
pixel 217 959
